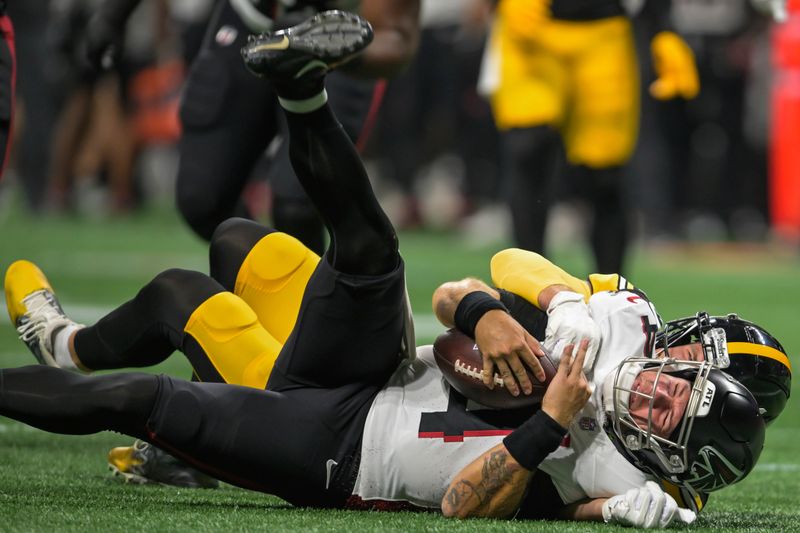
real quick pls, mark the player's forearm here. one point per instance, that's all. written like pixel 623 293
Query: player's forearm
pixel 448 295
pixel 491 486
pixel 528 274
pixel 586 510
pixel 396 26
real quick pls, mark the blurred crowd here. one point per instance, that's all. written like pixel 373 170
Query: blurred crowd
pixel 105 142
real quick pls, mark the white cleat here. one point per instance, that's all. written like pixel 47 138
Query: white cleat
pixel 34 310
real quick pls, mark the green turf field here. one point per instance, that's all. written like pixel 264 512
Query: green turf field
pixel 50 482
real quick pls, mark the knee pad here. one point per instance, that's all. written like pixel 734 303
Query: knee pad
pixel 272 280
pixel 234 341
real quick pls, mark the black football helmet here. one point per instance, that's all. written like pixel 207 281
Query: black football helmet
pixel 717 441
pixel 742 349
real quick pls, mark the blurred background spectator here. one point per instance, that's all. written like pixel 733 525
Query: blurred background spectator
pixel 36 100
pixel 106 118
pixel 703 162
pixel 434 130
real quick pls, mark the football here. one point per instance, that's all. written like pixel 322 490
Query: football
pixel 461 362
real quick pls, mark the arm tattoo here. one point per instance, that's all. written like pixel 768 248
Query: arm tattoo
pixel 460 492
pixel 496 474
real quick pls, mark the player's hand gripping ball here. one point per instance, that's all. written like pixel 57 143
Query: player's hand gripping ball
pixel 461 362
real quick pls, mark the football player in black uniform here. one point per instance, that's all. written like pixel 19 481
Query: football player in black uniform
pixel 313 402
pixel 227 122
pixel 353 307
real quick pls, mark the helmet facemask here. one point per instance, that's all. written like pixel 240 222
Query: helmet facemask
pixel 666 454
pixel 715 443
pixel 697 329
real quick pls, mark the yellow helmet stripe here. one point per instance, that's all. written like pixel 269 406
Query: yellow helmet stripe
pixel 760 349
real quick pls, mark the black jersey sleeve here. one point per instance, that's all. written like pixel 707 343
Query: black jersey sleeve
pixel 533 319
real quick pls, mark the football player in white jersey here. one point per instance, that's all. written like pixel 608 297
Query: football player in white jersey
pixel 420 434
pixel 622 323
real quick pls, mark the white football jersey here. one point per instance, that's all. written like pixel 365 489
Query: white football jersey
pixel 589 465
pixel 419 433
pixel 413 444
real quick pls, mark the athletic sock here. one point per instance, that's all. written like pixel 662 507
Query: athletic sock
pixel 61 351
pixel 304 105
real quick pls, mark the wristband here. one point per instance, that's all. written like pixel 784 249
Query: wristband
pixel 472 307
pixel 534 440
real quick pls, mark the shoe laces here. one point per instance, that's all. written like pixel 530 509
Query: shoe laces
pixel 143 451
pixel 42 314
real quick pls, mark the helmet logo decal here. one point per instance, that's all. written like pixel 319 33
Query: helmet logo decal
pixel 707 399
pixel 716 346
pixel 712 471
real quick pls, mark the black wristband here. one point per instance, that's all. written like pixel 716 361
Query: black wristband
pixel 534 440
pixel 472 307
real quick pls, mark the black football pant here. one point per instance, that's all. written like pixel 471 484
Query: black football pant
pixel 297 439
pixel 531 163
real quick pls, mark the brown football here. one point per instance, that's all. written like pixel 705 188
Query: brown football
pixel 461 362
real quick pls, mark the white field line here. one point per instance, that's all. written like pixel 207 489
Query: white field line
pixel 119 265
pixel 426 325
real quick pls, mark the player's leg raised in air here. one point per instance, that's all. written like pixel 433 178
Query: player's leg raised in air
pixel 359 284
pixel 324 378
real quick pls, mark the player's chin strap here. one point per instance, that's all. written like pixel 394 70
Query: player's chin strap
pixel 408 344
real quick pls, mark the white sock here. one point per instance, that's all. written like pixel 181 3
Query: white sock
pixel 61 348
pixel 305 106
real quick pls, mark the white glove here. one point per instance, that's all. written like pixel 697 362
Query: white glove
pixel 568 319
pixel 646 507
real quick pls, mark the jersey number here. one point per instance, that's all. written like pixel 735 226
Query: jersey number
pixel 457 422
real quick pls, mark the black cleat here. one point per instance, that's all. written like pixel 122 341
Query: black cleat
pixel 144 463
pixel 309 49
